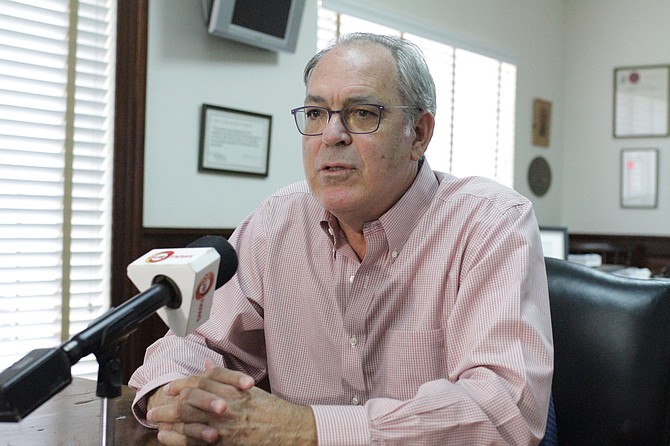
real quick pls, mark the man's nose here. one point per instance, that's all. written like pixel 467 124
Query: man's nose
pixel 335 132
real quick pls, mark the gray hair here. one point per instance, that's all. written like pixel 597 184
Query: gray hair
pixel 415 83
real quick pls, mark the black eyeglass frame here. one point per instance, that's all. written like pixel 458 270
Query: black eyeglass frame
pixel 330 113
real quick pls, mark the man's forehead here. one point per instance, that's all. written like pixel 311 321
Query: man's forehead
pixel 371 98
pixel 355 73
pixel 360 52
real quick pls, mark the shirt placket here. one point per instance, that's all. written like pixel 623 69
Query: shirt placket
pixel 359 296
pixel 352 344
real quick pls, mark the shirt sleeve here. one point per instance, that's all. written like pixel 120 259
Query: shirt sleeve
pixel 499 349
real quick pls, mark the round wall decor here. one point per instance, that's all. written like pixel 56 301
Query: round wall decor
pixel 539 176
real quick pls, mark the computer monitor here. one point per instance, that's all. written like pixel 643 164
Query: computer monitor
pixel 269 24
pixel 555 241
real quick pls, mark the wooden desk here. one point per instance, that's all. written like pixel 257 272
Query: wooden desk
pixel 73 418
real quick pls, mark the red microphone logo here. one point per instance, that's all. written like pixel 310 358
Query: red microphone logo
pixel 205 285
pixel 159 256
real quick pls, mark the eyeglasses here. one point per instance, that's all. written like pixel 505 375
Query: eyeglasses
pixel 359 118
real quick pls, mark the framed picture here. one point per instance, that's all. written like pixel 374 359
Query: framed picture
pixel 641 96
pixel 554 241
pixel 234 141
pixel 639 178
pixel 541 122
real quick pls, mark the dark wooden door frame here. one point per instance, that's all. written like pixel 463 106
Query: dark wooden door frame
pixel 129 238
pixel 130 101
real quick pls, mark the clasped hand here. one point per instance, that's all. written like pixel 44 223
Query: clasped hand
pixel 222 406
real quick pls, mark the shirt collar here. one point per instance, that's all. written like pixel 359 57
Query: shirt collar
pixel 399 221
pixel 403 217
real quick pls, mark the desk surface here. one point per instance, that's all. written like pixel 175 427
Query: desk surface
pixel 73 418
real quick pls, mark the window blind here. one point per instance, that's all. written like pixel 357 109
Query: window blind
pixel 474 129
pixel 56 118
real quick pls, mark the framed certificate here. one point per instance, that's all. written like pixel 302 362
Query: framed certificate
pixel 639 178
pixel 234 141
pixel 641 96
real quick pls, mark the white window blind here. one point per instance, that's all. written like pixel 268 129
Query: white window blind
pixel 56 118
pixel 474 131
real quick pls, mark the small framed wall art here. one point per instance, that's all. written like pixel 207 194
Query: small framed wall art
pixel 541 122
pixel 639 178
pixel 234 141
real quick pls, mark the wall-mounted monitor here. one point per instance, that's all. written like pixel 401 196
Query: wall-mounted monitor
pixel 269 24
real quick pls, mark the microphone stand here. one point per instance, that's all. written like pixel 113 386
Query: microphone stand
pixel 108 388
pixel 105 337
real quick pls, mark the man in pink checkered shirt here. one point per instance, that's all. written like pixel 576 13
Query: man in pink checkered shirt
pixel 385 302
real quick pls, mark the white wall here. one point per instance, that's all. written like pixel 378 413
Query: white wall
pixel 600 36
pixel 186 68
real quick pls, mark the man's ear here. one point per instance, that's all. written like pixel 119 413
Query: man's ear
pixel 423 132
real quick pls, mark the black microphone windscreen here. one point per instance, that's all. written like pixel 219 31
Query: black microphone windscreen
pixel 228 265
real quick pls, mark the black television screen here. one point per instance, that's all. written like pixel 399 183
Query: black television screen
pixel 269 24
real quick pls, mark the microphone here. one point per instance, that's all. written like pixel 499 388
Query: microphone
pixel 190 271
pixel 171 277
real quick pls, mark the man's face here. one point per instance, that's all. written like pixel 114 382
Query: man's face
pixel 358 177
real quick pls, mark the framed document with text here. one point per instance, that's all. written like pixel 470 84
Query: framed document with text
pixel 641 96
pixel 639 178
pixel 234 141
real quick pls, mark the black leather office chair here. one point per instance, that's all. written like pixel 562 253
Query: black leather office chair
pixel 612 357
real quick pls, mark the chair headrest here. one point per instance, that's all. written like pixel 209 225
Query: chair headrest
pixel 611 356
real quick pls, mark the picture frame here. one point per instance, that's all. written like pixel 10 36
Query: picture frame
pixel 234 141
pixel 639 178
pixel 641 98
pixel 541 122
pixel 555 241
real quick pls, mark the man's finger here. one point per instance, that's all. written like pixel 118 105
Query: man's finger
pixel 177 412
pixel 217 375
pixel 234 378
pixel 187 433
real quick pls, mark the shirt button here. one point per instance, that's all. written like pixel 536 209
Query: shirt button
pixel 353 341
pixel 330 231
pixel 355 401
pixel 394 254
pixel 351 279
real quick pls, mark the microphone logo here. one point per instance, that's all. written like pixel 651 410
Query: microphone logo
pixel 159 256
pixel 205 285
